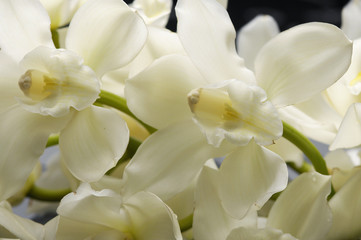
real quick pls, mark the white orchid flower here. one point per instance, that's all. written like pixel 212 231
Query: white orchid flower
pixel 107 215
pixel 46 90
pixel 214 105
pixel 344 95
pixel 314 117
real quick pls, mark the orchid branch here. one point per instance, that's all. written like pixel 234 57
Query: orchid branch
pixel 119 103
pixel 306 146
pixel 48 195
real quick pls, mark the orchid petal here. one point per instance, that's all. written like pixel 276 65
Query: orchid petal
pixel 308 216
pixel 151 219
pixel 165 165
pixel 315 118
pixel 351 19
pixel 12 225
pixel 60 11
pixel 24 25
pixel 210 220
pixel 339 159
pixel 160 42
pixel 70 229
pixel 208 37
pixel 302 61
pixel 253 36
pixel 259 234
pixel 287 151
pixel 94 207
pixel 106 43
pixel 182 204
pixel 10 74
pixel 154 12
pixel 346 210
pixel 93 142
pixel 158 95
pixel 350 126
pixel 352 78
pixel 224 3
pixel 23 139
pixel 252 163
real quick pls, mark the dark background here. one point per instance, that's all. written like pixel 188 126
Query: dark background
pixel 287 13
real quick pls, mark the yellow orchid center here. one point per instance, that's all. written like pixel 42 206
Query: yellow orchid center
pixel 235 111
pixel 36 84
pixel 213 105
pixel 55 81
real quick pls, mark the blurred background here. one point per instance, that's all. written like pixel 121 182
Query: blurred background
pixel 287 13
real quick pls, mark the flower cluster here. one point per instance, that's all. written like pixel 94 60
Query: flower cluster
pixel 162 135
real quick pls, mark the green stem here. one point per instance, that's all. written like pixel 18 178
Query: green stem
pixel 306 146
pixel 119 103
pixel 186 223
pixel 304 168
pixel 49 195
pixel 55 37
pixel 132 147
pixel 52 140
pixel 309 149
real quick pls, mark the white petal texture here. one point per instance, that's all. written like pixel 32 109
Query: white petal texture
pixel 150 218
pixel 302 61
pixel 208 37
pixel 352 78
pixel 13 226
pixel 93 142
pixel 287 151
pixel 302 209
pixel 24 25
pixel 350 126
pixel 351 19
pixel 165 165
pixel 60 11
pixel 251 164
pixel 315 118
pixel 10 73
pixel 23 137
pixel 154 12
pixel 253 36
pixel 160 42
pixel 87 206
pixel 107 34
pixel 346 210
pixel 104 214
pixel 259 234
pixel 210 220
pixel 158 95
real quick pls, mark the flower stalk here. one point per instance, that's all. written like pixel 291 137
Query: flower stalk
pixel 119 103
pixel 306 146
